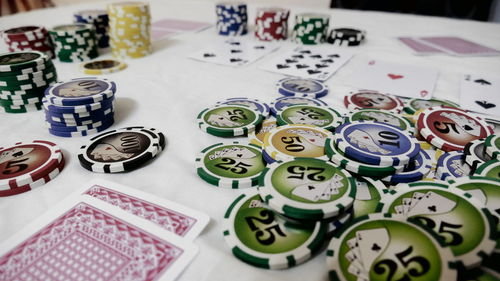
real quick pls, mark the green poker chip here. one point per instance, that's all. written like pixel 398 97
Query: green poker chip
pixel 257 137
pixel 234 165
pixel 310 29
pixel 464 224
pixel 307 188
pixel 229 120
pixel 492 146
pixel 21 108
pixel 261 237
pixel 357 167
pixel 415 105
pixel 368 195
pixel 16 61
pixel 382 116
pixel 315 115
pixel 490 169
pixel 381 247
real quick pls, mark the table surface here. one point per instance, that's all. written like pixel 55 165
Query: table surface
pixel 167 90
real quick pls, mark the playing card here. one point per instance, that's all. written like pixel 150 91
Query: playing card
pixel 415 198
pixel 399 209
pixel 180 25
pixel 315 62
pixel 419 47
pixel 398 79
pixel 432 204
pixel 406 205
pixel 173 217
pixel 371 244
pixel 480 93
pixel 354 247
pixel 312 191
pixel 234 52
pixel 87 239
pixel 362 191
pixel 240 153
pixel 160 34
pixel 459 46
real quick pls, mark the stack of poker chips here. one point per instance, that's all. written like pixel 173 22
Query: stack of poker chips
pixel 74 42
pixel 231 19
pixel 24 76
pixel 79 107
pixel 346 37
pixel 310 29
pixel 130 29
pixel 271 24
pixel 38 162
pixel 28 38
pixel 100 20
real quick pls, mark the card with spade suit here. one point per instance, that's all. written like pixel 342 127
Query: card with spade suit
pixel 234 52
pixel 393 78
pixel 314 62
pixel 480 93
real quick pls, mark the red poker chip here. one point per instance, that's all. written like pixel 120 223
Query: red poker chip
pixel 28 38
pixel 450 129
pixel 271 24
pixel 373 100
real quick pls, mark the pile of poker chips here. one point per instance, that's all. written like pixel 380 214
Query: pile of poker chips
pixel 28 38
pixel 130 29
pixel 310 29
pixel 271 24
pixel 100 20
pixel 231 18
pixel 24 76
pixel 28 165
pixel 121 150
pixel 74 42
pixel 346 37
pixel 79 107
pixel 367 165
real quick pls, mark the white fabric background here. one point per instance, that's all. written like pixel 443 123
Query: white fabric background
pixel 167 91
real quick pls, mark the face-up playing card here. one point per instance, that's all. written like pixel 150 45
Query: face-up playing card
pixel 480 93
pixel 362 191
pixel 371 243
pixel 316 62
pixel 397 79
pixel 88 239
pixel 173 217
pixel 432 204
pixel 415 198
pixel 234 52
pixel 315 191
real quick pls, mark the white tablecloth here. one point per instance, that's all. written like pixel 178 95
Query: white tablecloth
pixel 167 90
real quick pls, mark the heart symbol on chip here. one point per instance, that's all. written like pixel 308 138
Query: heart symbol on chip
pixel 395 76
pixel 423 93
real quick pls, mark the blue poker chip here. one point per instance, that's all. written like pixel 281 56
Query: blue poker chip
pixel 64 128
pixel 80 133
pixel 452 165
pixel 267 157
pixel 256 104
pixel 376 143
pixel 57 121
pixel 418 168
pixel 301 87
pixel 80 91
pixel 81 118
pixel 104 104
pixel 231 18
pixel 283 102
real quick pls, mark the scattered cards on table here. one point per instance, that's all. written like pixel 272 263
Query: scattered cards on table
pixel 480 93
pixel 105 231
pixel 447 45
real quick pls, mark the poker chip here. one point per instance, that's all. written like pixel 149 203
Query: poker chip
pixel 130 29
pixel 418 168
pixel 234 165
pixel 271 24
pixel 301 87
pixel 100 20
pixel 121 150
pixel 61 109
pixel 310 29
pixel 445 209
pixel 451 165
pixel 267 158
pixel 489 169
pixel 363 249
pixel 24 76
pixel 99 67
pixel 291 244
pixel 80 91
pixel 414 105
pixel 229 120
pixel 376 143
pixel 346 37
pixel 231 18
pixel 257 137
pixel 27 162
pixel 290 141
pixel 373 100
pixel 319 116
pixel 307 188
pixel 255 104
pixel 98 126
pixel 449 128
pixel 492 146
pixel 357 167
pixel 80 133
pixel 368 194
pixel 475 154
pixel 494 124
pixel 28 38
pixel 74 42
pixel 283 102
pixel 434 154
pixel 79 118
pixel 382 116
pixel 338 222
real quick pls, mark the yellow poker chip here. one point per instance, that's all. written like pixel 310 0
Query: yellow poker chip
pixel 99 67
